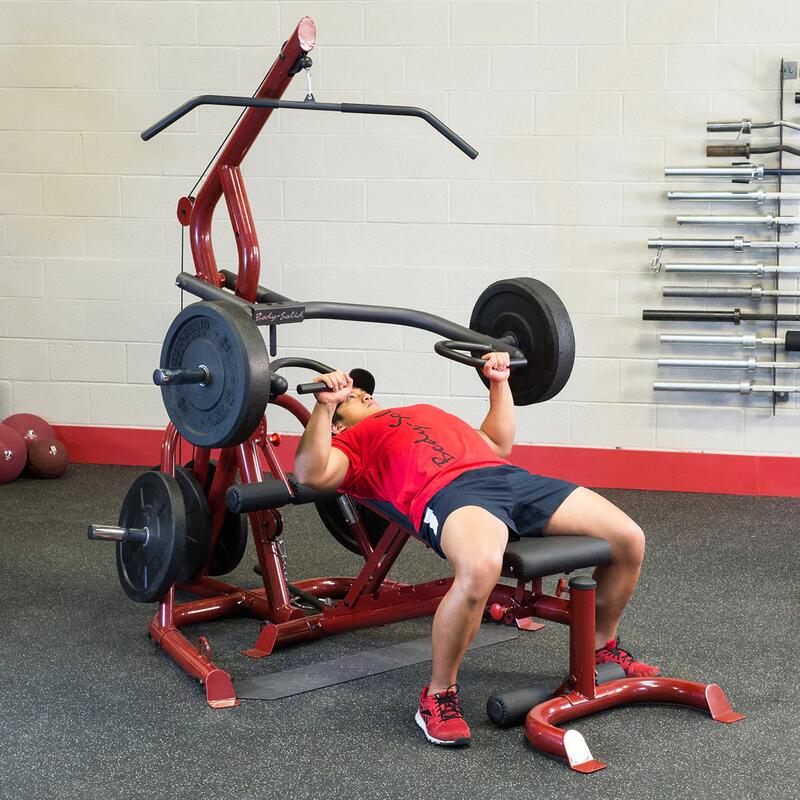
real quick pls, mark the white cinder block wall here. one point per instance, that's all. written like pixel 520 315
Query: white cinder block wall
pixel 575 106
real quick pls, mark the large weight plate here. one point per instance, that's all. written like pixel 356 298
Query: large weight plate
pixel 534 314
pixel 146 571
pixel 198 524
pixel 223 338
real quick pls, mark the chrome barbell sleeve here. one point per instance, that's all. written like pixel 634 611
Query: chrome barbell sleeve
pixel 759 197
pixel 747 340
pixel 765 219
pixel 743 173
pixel 750 364
pixel 113 533
pixel 754 292
pixel 738 244
pixel 742 387
pixel 758 270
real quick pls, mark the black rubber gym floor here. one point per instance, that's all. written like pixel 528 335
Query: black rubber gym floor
pixel 91 709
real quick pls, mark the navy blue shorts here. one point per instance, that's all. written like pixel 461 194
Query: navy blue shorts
pixel 524 501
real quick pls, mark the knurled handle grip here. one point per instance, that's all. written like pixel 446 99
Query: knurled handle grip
pixel 729 150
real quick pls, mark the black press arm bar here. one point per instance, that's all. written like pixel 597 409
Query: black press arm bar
pixel 354 312
pixel 309 105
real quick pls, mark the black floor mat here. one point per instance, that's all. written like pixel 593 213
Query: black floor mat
pixel 355 666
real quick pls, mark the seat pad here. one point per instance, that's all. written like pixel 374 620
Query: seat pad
pixel 536 556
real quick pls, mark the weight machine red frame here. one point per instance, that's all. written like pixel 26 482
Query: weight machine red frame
pixel 369 598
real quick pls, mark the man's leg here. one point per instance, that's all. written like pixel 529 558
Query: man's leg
pixel 586 513
pixel 473 540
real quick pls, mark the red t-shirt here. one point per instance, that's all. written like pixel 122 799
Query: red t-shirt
pixel 405 455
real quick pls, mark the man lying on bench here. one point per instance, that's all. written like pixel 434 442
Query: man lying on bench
pixel 463 497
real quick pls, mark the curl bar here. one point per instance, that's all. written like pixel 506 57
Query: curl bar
pixel 744 126
pixel 745 150
pixel 309 105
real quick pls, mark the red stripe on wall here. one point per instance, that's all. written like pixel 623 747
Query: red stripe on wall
pixel 595 467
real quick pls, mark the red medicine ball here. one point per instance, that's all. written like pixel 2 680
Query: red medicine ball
pixel 30 427
pixel 47 458
pixel 12 454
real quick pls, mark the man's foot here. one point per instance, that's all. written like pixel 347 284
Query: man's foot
pixel 441 718
pixel 612 652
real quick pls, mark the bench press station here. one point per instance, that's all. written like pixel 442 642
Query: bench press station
pixel 217 381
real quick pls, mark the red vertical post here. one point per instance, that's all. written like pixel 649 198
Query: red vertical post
pixel 581 634
pixel 264 528
pixel 247 129
pixel 244 231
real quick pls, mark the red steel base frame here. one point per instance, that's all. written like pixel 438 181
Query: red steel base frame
pixel 582 697
pixel 367 599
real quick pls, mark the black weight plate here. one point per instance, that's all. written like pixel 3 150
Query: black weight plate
pixel 198 525
pixel 232 539
pixel 534 314
pixel 330 512
pixel 222 337
pixel 146 571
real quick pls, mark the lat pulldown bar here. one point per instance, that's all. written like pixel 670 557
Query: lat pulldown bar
pixel 309 105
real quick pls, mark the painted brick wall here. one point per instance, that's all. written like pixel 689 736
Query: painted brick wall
pixel 575 106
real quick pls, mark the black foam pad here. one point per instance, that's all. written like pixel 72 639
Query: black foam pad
pixel 536 556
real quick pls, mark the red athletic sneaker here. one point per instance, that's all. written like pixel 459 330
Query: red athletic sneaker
pixel 614 653
pixel 441 718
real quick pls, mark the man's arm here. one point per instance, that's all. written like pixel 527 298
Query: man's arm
pixel 499 427
pixel 316 463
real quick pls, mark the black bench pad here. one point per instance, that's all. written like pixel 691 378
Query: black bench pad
pixel 537 556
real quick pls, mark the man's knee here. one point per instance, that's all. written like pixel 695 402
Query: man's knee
pixel 628 542
pixel 476 577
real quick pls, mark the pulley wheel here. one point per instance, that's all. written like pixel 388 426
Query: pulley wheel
pixel 147 570
pixel 225 409
pixel 533 314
